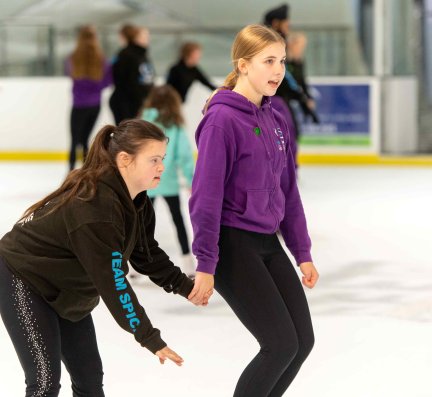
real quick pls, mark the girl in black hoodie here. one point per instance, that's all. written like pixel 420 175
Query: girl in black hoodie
pixel 133 75
pixel 73 247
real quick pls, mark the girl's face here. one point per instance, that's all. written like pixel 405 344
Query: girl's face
pixel 194 57
pixel 281 26
pixel 142 38
pixel 296 47
pixel 143 171
pixel 262 75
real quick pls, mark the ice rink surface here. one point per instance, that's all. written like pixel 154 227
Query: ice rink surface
pixel 371 230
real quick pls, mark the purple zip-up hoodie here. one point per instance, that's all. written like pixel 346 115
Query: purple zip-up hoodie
pixel 245 178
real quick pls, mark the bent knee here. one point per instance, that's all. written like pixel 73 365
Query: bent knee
pixel 306 345
pixel 283 351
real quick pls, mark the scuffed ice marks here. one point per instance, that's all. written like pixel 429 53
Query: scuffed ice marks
pixel 376 288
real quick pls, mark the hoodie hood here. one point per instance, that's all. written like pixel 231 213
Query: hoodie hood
pixel 116 182
pixel 238 104
pixel 150 114
pixel 237 101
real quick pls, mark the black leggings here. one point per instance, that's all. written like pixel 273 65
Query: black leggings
pixel 42 340
pixel 123 107
pixel 82 122
pixel 174 207
pixel 256 278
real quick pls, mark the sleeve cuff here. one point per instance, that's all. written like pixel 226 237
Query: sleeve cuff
pixel 154 344
pixel 206 267
pixel 302 257
pixel 185 287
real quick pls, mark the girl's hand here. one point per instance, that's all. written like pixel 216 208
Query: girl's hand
pixel 310 274
pixel 203 289
pixel 311 104
pixel 167 353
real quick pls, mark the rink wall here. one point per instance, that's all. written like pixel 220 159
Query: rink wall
pixel 34 122
pixel 35 114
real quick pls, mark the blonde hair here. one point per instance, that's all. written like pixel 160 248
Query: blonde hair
pixel 297 42
pixel 250 41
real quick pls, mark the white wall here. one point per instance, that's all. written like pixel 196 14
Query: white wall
pixel 35 112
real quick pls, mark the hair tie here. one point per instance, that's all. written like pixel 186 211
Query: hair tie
pixel 112 135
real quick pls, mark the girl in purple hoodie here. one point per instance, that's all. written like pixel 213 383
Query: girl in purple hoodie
pixel 244 191
pixel 90 73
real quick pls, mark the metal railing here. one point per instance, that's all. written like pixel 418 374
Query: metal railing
pixel 40 50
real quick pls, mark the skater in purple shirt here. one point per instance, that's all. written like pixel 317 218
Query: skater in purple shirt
pixel 244 191
pixel 91 74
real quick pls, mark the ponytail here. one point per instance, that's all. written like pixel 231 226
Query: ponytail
pixel 229 83
pixel 231 79
pixel 98 154
pixel 128 136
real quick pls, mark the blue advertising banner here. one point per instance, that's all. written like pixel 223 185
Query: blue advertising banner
pixel 344 114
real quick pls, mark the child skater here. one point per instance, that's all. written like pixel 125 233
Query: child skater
pixel 72 247
pixel 244 190
pixel 163 107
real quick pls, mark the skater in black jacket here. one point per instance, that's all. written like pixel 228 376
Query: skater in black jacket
pixel 186 70
pixel 73 247
pixel 133 75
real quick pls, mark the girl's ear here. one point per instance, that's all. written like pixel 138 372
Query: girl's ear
pixel 242 66
pixel 123 159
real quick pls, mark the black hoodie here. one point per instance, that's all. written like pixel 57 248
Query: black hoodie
pixel 181 77
pixel 133 75
pixel 81 251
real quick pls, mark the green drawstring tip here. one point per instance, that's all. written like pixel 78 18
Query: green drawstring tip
pixel 257 131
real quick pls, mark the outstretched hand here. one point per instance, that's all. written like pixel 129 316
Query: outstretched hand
pixel 310 274
pixel 167 353
pixel 203 289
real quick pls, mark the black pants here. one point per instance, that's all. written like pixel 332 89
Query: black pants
pixel 256 278
pixel 42 340
pixel 82 122
pixel 174 207
pixel 123 108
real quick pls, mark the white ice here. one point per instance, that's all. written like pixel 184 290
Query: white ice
pixel 371 229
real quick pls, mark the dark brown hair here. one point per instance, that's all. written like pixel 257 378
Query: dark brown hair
pixel 129 136
pixel 167 101
pixel 129 32
pixel 87 60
